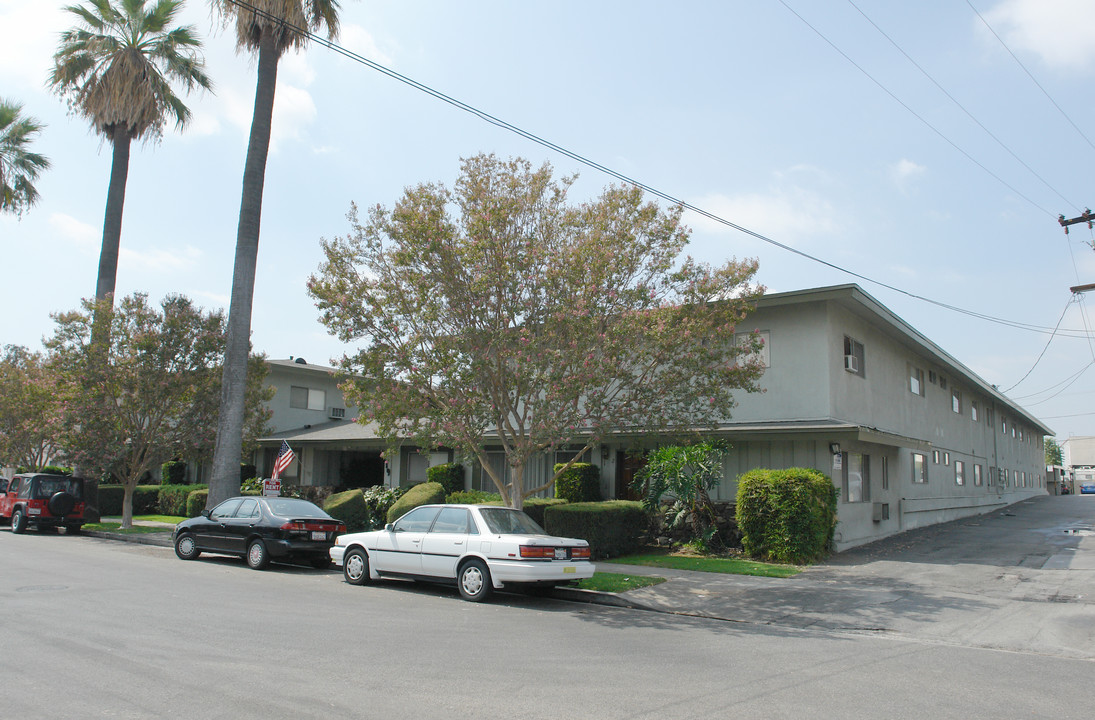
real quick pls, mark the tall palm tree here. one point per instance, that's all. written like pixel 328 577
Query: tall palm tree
pixel 19 167
pixel 267 28
pixel 115 68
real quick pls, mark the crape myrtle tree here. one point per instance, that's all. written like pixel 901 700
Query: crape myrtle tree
pixel 1054 455
pixel 150 395
pixel 19 167
pixel 116 69
pixel 267 29
pixel 30 421
pixel 498 313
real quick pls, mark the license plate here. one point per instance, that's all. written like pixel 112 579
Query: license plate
pixel 319 535
pixel 560 553
pixel 570 569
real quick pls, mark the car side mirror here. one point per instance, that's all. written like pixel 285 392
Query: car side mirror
pixel 205 513
pixel 390 527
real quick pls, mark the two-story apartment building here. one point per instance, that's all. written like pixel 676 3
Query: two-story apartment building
pixel 910 436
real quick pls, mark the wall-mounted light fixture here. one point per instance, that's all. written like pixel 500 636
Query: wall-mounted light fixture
pixel 834 448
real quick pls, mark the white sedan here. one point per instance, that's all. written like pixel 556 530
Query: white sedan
pixel 479 547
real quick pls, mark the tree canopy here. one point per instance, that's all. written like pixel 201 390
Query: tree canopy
pixel 150 395
pixel 1054 455
pixel 19 167
pixel 30 414
pixel 499 313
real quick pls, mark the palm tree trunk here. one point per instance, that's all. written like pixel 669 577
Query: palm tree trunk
pixel 112 228
pixel 225 480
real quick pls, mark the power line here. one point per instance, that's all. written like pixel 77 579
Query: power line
pixel 502 124
pixel 1042 354
pixel 960 106
pixel 912 112
pixel 1030 75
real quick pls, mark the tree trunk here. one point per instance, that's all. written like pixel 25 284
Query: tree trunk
pixel 127 503
pixel 225 480
pixel 112 229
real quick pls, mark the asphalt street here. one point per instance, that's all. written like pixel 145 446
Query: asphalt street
pixel 98 628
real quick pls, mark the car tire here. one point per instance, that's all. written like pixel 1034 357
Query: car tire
pixel 320 563
pixel 355 567
pixel 18 521
pixel 257 555
pixel 473 580
pixel 186 547
pixel 73 529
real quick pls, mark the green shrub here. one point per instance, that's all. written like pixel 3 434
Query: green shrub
pixel 535 507
pixel 379 499
pixel 172 499
pixel 195 502
pixel 786 515
pixel 473 497
pixel 612 528
pixel 421 494
pixel 449 475
pixel 580 483
pixel 146 500
pixel 173 473
pixel 55 470
pixel 350 508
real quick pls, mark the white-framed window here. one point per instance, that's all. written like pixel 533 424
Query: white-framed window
pixel 973 410
pixel 1003 425
pixel 854 357
pixel 956 401
pixel 916 381
pixel 935 457
pixel 978 477
pixel 304 398
pixel 946 458
pixel 919 468
pixel 885 473
pixel 959 472
pixel 857 478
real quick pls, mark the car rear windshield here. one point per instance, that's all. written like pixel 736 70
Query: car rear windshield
pixel 293 507
pixel 45 488
pixel 508 521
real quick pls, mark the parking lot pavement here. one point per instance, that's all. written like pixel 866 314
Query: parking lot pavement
pixel 1021 578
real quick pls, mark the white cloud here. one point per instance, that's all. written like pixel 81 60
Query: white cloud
pixel 1058 31
pixel 783 213
pixel 29 32
pixel 358 40
pixel 87 238
pixel 904 171
pixel 158 259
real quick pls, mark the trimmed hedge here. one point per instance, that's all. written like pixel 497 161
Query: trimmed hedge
pixel 173 498
pixel 173 472
pixel 449 475
pixel 421 494
pixel 195 502
pixel 580 483
pixel 612 528
pixel 474 497
pixel 786 515
pixel 146 500
pixel 350 508
pixel 535 507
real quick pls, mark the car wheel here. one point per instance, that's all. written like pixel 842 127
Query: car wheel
pixel 474 581
pixel 321 563
pixel 18 522
pixel 355 567
pixel 73 529
pixel 186 548
pixel 257 557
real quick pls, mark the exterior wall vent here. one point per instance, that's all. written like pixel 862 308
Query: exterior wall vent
pixel 336 413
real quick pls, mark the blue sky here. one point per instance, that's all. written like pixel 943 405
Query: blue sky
pixel 825 138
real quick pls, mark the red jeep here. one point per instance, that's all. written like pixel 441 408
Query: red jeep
pixel 45 501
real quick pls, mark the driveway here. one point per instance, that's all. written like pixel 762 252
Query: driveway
pixel 1021 578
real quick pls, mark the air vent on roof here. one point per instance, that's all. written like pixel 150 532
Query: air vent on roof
pixel 300 361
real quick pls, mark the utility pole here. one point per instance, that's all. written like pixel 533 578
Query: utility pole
pixel 1087 217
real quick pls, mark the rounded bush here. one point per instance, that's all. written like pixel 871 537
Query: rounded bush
pixel 580 483
pixel 423 494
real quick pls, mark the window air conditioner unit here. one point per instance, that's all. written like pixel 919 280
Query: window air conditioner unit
pixel 851 363
pixel 336 413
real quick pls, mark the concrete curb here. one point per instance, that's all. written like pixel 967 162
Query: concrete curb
pixel 158 539
pixel 596 597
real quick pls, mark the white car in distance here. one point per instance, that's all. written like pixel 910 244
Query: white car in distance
pixel 480 548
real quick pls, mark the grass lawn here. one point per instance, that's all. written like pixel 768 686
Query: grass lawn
pixel 705 563
pixel 110 526
pixel 617 582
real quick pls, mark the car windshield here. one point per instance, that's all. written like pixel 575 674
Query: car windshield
pixel 47 487
pixel 294 507
pixel 506 521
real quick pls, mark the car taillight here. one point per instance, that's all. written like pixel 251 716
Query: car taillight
pixel 537 551
pixel 579 553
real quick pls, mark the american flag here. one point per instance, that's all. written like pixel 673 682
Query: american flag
pixel 285 456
